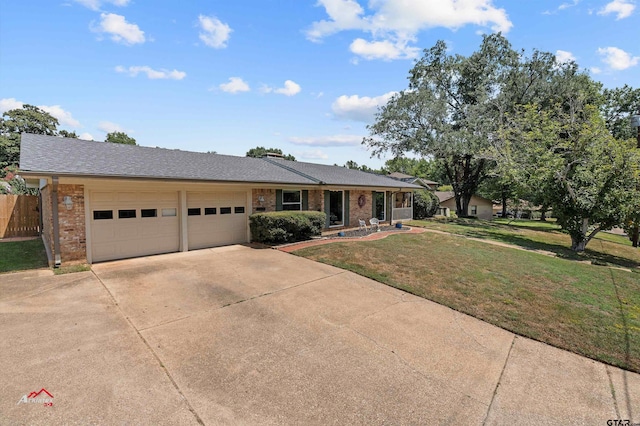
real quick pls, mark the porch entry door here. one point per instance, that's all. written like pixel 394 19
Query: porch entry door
pixel 336 208
pixel 379 203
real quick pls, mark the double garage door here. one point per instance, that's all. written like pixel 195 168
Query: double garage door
pixel 131 224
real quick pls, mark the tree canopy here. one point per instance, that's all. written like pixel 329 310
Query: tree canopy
pixel 453 108
pixel 121 138
pixel 260 151
pixel 28 119
pixel 67 134
pixel 541 130
pixel 618 106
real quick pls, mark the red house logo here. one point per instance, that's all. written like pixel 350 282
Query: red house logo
pixel 41 397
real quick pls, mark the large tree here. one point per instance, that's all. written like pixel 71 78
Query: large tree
pixel 587 174
pixel 260 151
pixel 121 138
pixel 28 119
pixel 453 109
pixel 618 106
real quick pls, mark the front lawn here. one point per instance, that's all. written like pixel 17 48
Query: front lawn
pixel 615 250
pixel 587 309
pixel 22 255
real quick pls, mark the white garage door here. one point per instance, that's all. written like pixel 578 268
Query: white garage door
pixel 216 218
pixel 130 224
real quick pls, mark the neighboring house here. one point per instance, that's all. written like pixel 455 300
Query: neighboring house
pixel 429 184
pixel 478 206
pixel 104 201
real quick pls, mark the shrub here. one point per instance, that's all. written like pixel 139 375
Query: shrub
pixel 285 227
pixel 425 204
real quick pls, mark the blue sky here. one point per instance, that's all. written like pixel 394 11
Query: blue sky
pixel 304 76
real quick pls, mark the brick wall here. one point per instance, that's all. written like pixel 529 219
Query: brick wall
pixel 316 200
pixel 355 211
pixel 269 203
pixel 73 244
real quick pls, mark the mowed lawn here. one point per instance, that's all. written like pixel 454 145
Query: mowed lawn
pixel 22 255
pixel 587 309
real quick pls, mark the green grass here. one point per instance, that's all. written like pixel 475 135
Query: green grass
pixel 545 236
pixel 590 310
pixel 22 255
pixel 82 267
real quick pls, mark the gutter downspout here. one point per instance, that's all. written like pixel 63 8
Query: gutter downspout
pixel 56 226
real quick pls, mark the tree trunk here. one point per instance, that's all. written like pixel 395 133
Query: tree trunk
pixel 543 215
pixel 635 236
pixel 458 205
pixel 579 240
pixel 578 244
pixel 504 204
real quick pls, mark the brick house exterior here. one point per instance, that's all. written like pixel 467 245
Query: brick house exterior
pixel 104 201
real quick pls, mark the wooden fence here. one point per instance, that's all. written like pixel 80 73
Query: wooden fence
pixel 19 216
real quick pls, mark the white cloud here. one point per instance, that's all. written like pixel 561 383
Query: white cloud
pixel 617 59
pixel 290 88
pixel 8 104
pixel 562 56
pixel 120 30
pixel 235 85
pixel 214 32
pixel 385 49
pixel 315 154
pixel 97 4
pixel 151 73
pixel 109 127
pixel 623 9
pixel 63 116
pixel 564 6
pixel 359 108
pixel 595 70
pixel 335 140
pixel 86 136
pixel 393 24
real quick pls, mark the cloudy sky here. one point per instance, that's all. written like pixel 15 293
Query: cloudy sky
pixel 305 76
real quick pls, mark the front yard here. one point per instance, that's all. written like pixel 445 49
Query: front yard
pixel 587 309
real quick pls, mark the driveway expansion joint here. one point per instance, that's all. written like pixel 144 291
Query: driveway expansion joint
pixel 153 353
pixel 613 391
pixel 495 391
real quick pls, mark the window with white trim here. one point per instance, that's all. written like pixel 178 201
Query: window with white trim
pixel 291 200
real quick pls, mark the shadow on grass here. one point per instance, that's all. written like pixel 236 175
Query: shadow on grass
pixel 509 234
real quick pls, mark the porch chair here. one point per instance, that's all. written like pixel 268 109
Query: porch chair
pixel 374 222
pixel 362 225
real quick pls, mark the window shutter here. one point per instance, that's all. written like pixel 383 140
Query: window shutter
pixel 278 200
pixel 346 208
pixel 305 199
pixel 326 208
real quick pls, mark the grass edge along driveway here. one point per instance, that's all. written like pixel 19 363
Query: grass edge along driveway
pixel 590 310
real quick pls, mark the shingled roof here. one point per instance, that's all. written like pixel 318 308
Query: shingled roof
pixel 336 175
pixel 52 155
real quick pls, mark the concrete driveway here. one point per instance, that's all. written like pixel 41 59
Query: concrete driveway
pixel 237 335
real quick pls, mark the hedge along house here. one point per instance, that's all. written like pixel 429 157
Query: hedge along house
pixel 103 201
